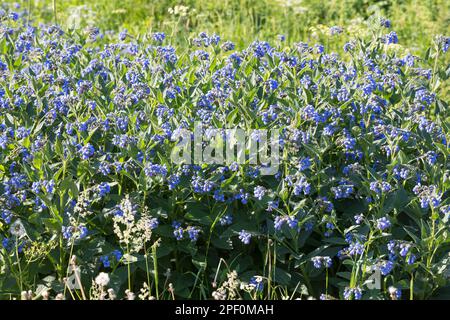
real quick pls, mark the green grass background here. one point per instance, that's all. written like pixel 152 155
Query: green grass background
pixel 244 21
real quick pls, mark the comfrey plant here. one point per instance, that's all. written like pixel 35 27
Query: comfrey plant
pixel 357 206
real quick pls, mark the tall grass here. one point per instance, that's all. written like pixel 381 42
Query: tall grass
pixel 243 21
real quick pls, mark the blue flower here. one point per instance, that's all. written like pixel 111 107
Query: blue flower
pixel 123 34
pixel 67 232
pixel 3 141
pixel 358 218
pixel 320 262
pixel 317 262
pixel 178 233
pixel 271 205
pixel 383 223
pixel 257 283
pixel 105 261
pixel 7 244
pixel 278 222
pixel 355 248
pixel 103 189
pixel 226 220
pixel 117 254
pixel 342 191
pixel 219 196
pixel 228 46
pixel 158 36
pixel 83 232
pixel 349 46
pixel 404 249
pixel 385 22
pixel 386 267
pixel 304 164
pixel 173 181
pixel 193 233
pixel 153 223
pixel 87 151
pixel 358 293
pixel 411 259
pixel 391 37
pixel 334 30
pixel 259 192
pixel 271 85
pixel 350 293
pixel 302 186
pixel 14 16
pixel 6 215
pixel 395 293
pixel 155 169
pixel 292 222
pixel 431 157
pixel 245 236
pixel 391 246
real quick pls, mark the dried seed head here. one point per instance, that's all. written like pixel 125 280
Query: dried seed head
pixel 45 294
pixel 60 296
pixel 25 295
pixel 112 294
pixel 130 295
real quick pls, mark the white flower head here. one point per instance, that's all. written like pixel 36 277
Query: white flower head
pixel 17 229
pixel 392 290
pixel 102 279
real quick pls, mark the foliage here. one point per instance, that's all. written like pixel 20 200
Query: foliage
pixel 90 200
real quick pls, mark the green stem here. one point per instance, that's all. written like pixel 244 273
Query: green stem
pixel 68 265
pixel 155 269
pixel 18 264
pixel 129 268
pixel 434 69
pixel 308 283
pixel 430 246
pixel 29 12
pixel 146 267
pixel 54 12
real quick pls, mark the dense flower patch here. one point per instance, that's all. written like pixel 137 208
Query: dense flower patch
pixel 92 206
